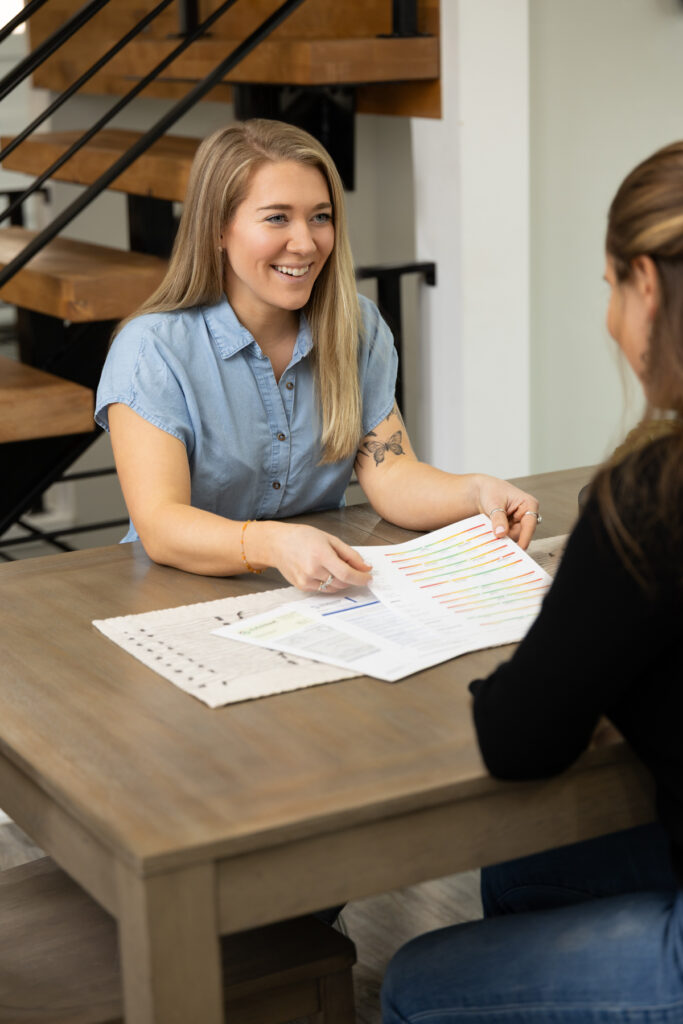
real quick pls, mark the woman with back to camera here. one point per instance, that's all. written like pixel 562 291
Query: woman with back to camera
pixel 249 384
pixel 592 932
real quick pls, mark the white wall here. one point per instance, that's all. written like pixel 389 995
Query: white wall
pixel 606 90
pixel 546 105
pixel 471 185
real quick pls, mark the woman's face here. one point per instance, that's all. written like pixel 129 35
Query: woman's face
pixel 278 240
pixel 630 310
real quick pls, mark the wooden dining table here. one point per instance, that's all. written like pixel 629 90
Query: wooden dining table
pixel 187 822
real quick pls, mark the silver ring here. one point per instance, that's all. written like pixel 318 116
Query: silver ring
pixel 497 510
pixel 539 517
pixel 325 585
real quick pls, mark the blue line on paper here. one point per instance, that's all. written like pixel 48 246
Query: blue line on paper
pixel 355 608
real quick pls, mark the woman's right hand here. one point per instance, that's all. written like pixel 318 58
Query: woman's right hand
pixel 154 473
pixel 306 556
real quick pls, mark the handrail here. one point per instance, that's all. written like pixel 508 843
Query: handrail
pixel 155 132
pixel 85 77
pixel 388 277
pixel 115 109
pixel 49 45
pixel 18 19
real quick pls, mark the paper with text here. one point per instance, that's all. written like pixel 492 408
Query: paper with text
pixel 454 590
pixel 179 644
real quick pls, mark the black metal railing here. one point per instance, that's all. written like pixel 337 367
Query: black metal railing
pixel 49 46
pixel 53 537
pixel 149 137
pixel 120 105
pixel 388 277
pixel 80 82
pixel 404 22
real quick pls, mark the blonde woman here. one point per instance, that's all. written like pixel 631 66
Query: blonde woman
pixel 251 382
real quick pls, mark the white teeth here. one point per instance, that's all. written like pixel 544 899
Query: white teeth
pixel 294 271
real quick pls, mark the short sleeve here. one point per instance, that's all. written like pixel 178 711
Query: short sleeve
pixel 378 367
pixel 140 372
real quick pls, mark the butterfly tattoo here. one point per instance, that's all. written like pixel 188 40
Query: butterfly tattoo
pixel 378 449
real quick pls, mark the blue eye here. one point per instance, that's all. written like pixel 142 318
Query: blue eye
pixel 322 218
pixel 277 218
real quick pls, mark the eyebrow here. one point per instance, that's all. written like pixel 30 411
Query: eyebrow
pixel 288 206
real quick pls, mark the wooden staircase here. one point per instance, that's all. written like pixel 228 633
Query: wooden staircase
pixel 323 42
pixel 69 297
pixel 37 404
pixel 161 172
pixel 71 294
pixel 78 281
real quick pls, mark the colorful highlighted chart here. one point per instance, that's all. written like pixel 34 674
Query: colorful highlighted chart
pixel 464 578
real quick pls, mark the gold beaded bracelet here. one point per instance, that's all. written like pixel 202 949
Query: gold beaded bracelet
pixel 257 572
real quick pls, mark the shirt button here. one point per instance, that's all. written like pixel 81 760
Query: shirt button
pixel 281 437
pixel 289 385
pixel 276 485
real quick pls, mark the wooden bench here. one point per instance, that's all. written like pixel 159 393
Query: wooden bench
pixel 77 281
pixel 37 404
pixel 59 960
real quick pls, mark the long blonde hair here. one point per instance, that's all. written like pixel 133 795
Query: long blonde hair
pixel 219 181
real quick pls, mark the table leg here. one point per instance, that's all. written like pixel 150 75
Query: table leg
pixel 170 947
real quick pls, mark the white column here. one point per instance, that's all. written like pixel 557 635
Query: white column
pixel 472 217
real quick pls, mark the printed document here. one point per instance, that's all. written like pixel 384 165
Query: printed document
pixel 178 643
pixel 454 590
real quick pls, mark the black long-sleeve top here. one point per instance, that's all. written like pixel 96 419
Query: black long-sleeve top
pixel 601 645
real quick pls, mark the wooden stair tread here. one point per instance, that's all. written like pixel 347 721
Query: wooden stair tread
pixel 78 281
pixel 37 404
pixel 161 172
pixel 362 21
pixel 60 963
pixel 292 61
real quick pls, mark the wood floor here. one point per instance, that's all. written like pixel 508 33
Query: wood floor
pixel 378 926
pixel 381 924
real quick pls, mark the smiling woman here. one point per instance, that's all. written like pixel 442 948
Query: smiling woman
pixel 251 382
pixel 275 247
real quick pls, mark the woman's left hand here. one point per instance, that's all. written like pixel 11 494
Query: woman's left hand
pixel 510 510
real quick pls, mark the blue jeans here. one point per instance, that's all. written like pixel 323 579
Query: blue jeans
pixel 589 933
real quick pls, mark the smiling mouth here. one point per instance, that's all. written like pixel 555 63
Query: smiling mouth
pixel 293 271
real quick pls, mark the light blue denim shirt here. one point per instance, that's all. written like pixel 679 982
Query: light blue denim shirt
pixel 253 443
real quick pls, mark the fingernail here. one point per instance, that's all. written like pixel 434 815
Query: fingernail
pixel 499 529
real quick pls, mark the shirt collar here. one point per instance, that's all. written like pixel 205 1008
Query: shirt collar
pixel 231 336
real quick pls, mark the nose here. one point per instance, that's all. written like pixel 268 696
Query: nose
pixel 300 239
